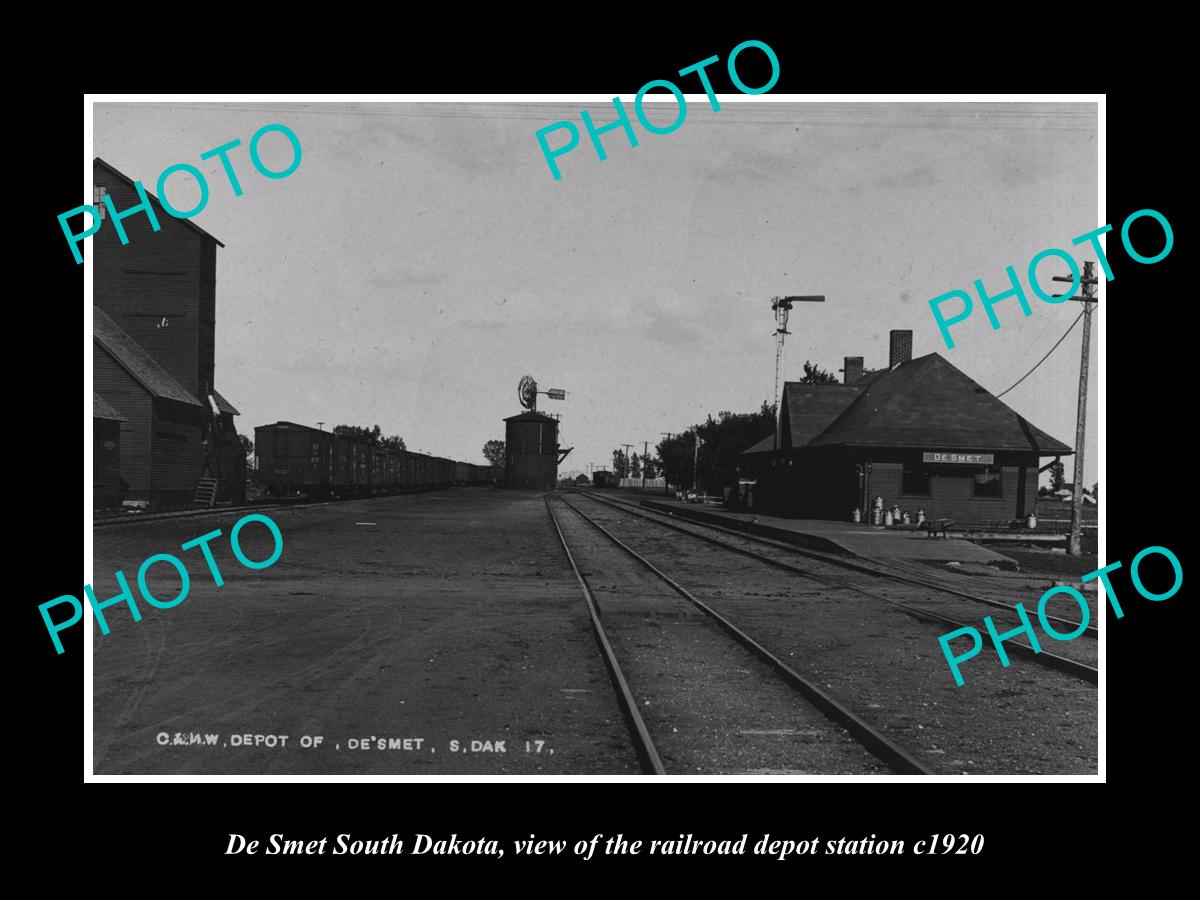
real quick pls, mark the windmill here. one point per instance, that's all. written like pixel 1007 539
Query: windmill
pixel 527 393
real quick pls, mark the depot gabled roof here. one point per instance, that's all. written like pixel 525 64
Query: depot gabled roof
pixel 925 403
pixel 811 408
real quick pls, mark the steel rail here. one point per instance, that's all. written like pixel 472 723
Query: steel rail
pixel 643 744
pixel 889 570
pixel 1045 658
pixel 875 741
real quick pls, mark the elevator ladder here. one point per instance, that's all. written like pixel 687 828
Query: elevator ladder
pixel 206 492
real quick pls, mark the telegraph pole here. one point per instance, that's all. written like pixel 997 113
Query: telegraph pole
pixel 1089 282
pixel 696 465
pixel 645 451
pixel 627 447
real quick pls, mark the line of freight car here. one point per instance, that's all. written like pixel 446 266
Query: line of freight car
pixel 296 460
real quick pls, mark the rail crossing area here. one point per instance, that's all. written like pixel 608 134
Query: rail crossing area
pixel 484 631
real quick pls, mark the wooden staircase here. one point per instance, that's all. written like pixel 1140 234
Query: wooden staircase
pixel 206 492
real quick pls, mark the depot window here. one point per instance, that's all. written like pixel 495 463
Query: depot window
pixel 988 483
pixel 915 480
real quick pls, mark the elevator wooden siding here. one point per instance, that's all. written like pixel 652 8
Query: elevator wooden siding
pixel 131 400
pixel 155 321
pixel 178 455
pixel 106 453
pixel 160 287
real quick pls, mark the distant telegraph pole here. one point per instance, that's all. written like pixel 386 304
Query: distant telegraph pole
pixel 1089 282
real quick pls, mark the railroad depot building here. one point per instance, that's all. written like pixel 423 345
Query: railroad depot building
pixel 154 324
pixel 920 434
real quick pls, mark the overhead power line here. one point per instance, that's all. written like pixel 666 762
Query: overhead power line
pixel 1044 358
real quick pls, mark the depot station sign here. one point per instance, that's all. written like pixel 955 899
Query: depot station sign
pixel 968 458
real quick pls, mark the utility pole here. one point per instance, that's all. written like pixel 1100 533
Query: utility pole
pixel 1089 282
pixel 627 447
pixel 319 428
pixel 645 452
pixel 696 465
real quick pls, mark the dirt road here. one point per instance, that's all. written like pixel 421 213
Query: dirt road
pixel 448 628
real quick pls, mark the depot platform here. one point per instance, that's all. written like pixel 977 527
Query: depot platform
pixel 868 542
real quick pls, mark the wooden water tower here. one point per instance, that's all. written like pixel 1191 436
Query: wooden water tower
pixel 531 451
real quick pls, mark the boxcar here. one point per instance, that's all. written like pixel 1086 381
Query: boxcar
pixel 296 460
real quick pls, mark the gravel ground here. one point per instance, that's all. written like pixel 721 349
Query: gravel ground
pixel 887 666
pixel 448 625
pixel 452 618
pixel 710 705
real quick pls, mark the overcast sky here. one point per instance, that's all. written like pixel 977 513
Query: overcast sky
pixel 422 258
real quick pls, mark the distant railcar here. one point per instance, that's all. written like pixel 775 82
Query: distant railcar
pixel 295 460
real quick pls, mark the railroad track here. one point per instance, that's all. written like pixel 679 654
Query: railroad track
pixel 1044 658
pixel 866 735
pixel 867 566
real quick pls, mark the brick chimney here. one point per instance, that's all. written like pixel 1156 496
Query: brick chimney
pixel 853 369
pixel 901 351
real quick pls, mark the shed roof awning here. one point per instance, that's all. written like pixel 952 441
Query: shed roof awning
pixel 766 445
pixel 144 368
pixel 102 409
pixel 224 405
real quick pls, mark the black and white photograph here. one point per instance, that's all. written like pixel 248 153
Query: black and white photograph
pixel 719 435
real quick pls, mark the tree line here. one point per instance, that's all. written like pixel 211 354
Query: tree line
pixel 373 436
